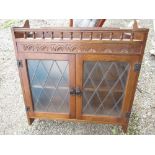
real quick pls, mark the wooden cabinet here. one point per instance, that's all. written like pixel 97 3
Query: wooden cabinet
pixel 82 74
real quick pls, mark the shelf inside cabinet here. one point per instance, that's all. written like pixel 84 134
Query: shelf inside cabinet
pixel 103 89
pixel 50 87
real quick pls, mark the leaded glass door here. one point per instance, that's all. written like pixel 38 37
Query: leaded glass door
pixel 102 81
pixel 51 76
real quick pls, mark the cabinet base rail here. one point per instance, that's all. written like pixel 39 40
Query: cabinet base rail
pixel 85 119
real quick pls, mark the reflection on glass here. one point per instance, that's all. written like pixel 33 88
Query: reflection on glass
pixel 103 87
pixel 49 85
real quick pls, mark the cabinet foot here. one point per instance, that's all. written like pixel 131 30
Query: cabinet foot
pixel 30 120
pixel 125 128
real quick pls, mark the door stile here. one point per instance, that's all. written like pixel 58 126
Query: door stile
pixel 72 85
pixel 26 85
pixel 130 90
pixel 79 79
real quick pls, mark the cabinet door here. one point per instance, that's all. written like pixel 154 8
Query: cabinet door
pixel 48 79
pixel 103 81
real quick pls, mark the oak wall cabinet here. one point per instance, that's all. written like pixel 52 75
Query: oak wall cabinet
pixel 80 74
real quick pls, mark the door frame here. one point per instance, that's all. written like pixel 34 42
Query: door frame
pixel 26 83
pixel 129 90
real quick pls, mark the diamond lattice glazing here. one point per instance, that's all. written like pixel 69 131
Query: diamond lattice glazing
pixel 49 85
pixel 103 87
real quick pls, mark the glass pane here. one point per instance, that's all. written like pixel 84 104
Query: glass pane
pixel 49 83
pixel 104 87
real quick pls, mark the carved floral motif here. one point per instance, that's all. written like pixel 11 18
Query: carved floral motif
pixel 74 48
pixel 59 48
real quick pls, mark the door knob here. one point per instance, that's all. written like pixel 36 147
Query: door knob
pixel 78 91
pixel 72 91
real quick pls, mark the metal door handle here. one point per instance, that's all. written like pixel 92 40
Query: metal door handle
pixel 78 91
pixel 72 91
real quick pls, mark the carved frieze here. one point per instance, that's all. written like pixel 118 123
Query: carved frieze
pixel 78 48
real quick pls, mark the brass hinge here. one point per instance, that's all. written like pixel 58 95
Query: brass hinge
pixel 27 108
pixel 137 67
pixel 19 63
